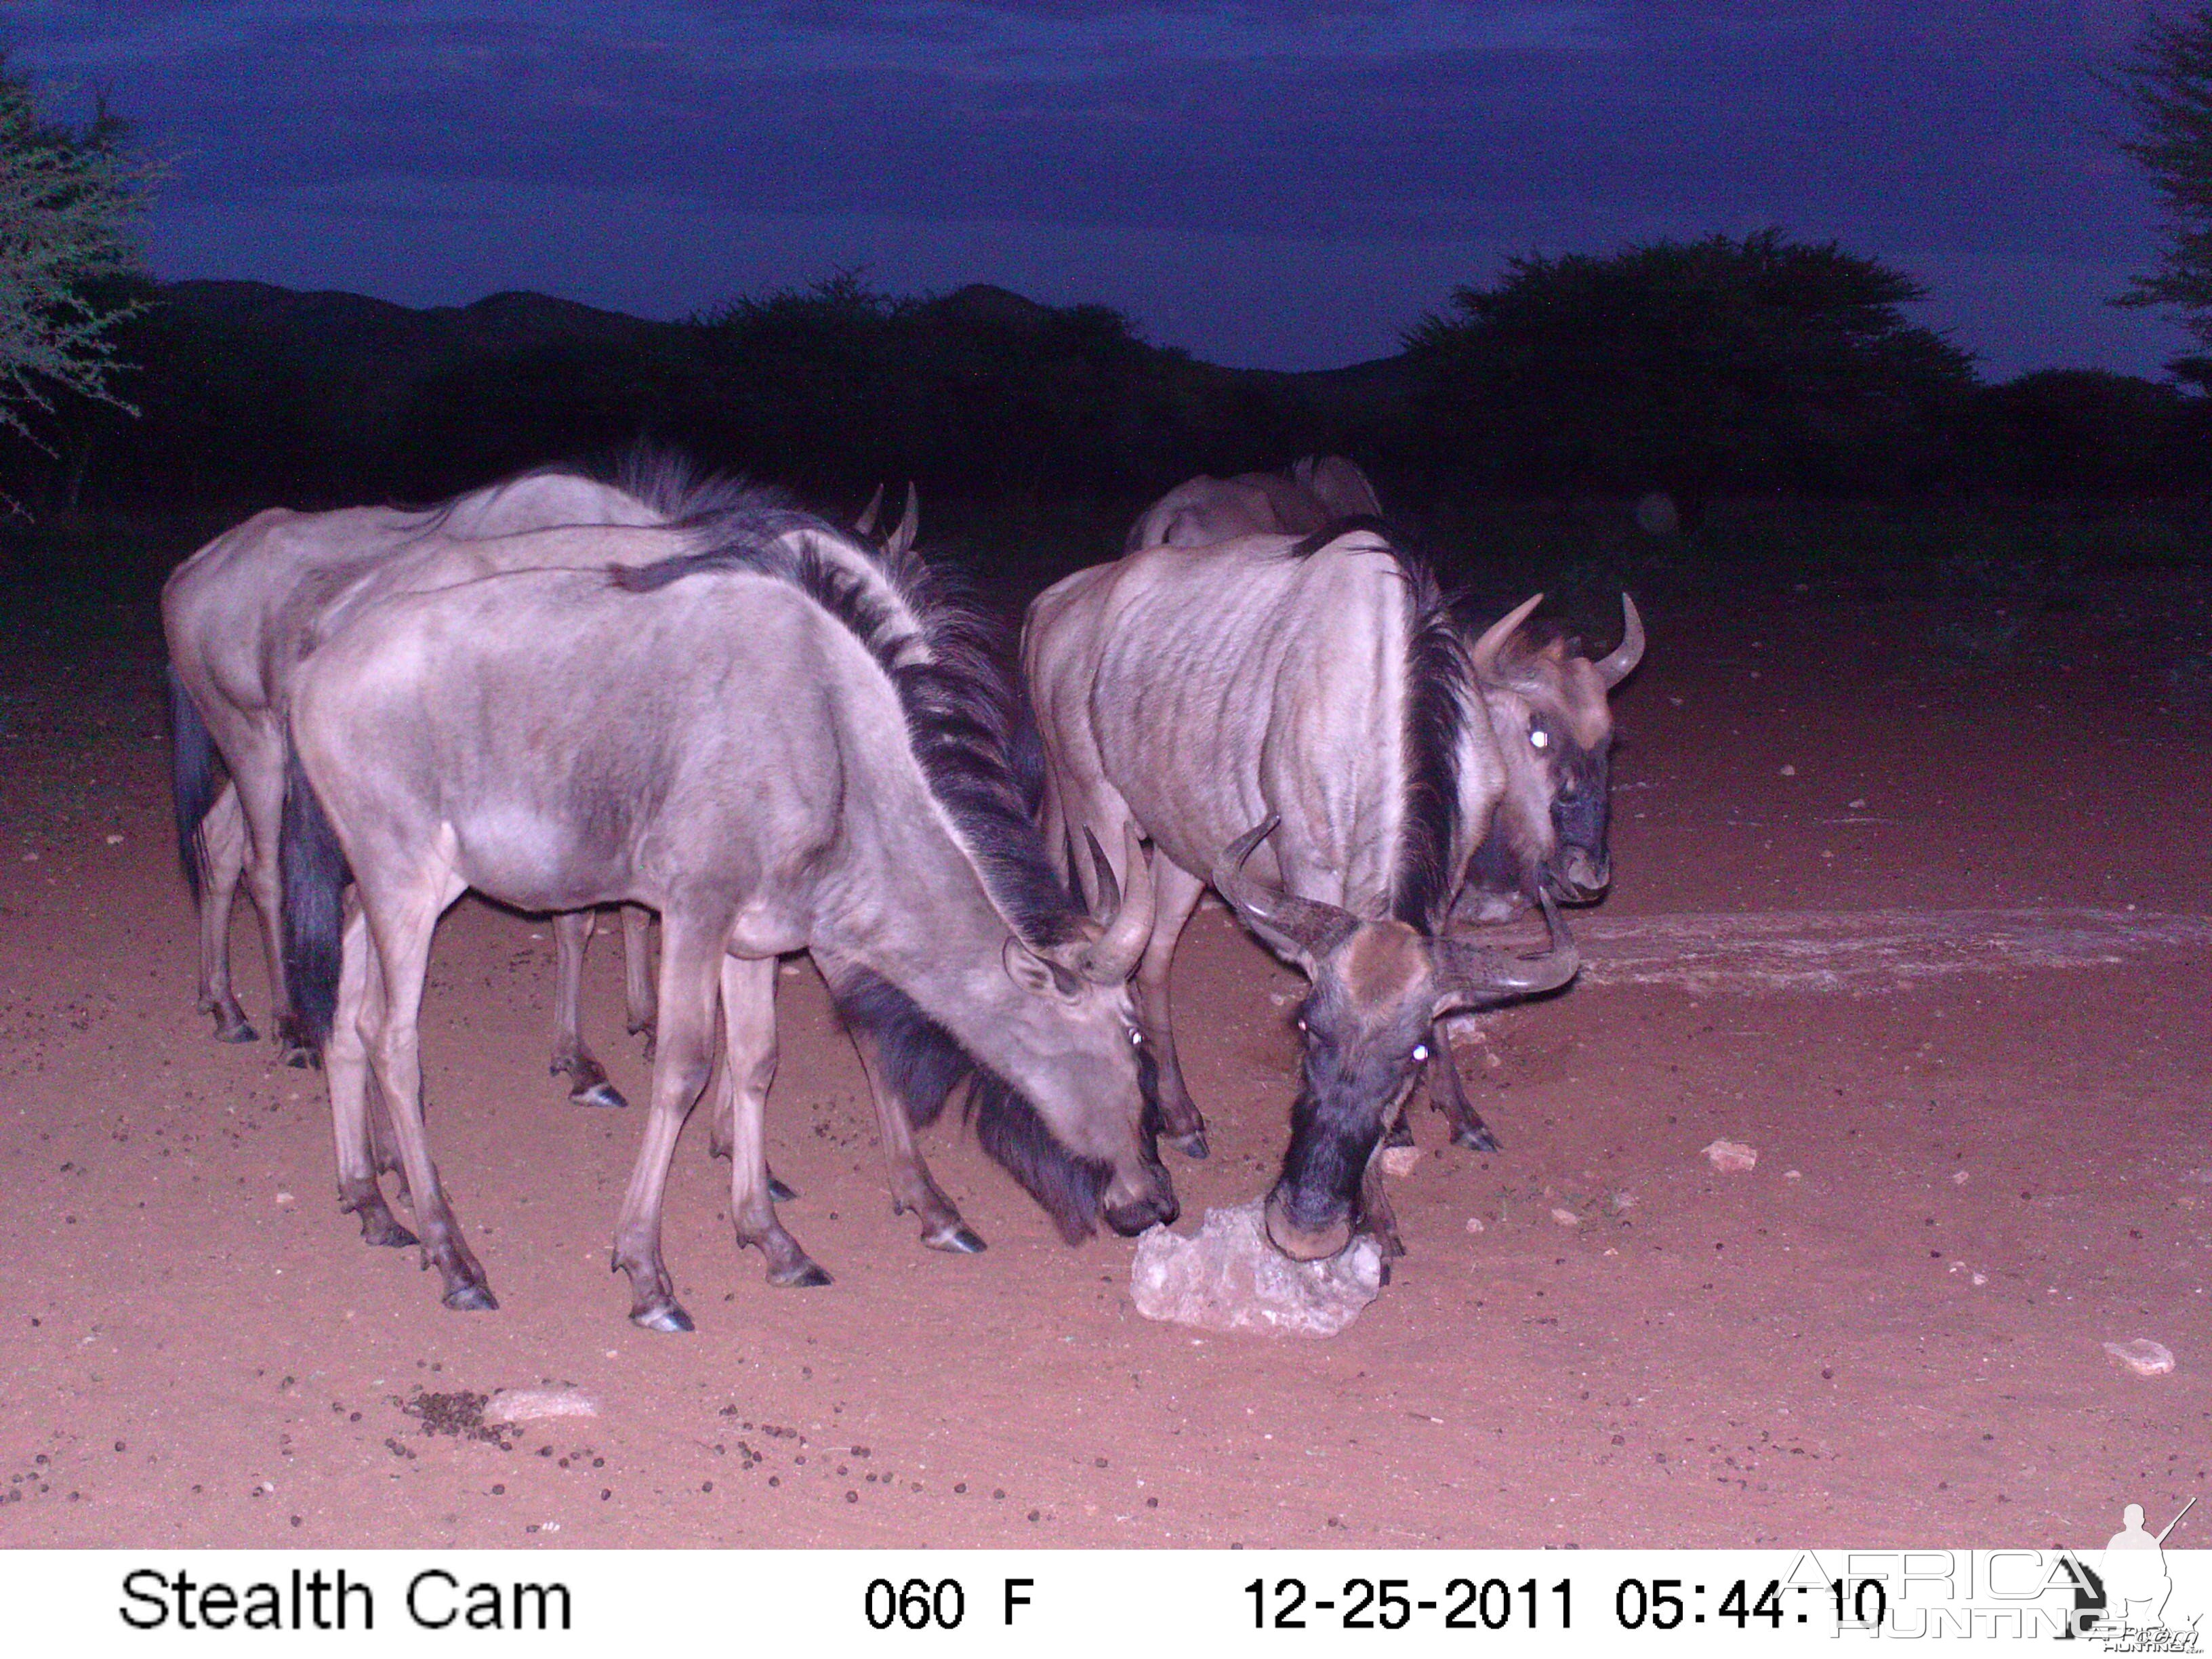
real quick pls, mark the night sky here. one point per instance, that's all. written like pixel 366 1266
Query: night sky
pixel 1277 185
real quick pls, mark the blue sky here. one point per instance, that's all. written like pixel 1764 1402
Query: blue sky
pixel 1279 185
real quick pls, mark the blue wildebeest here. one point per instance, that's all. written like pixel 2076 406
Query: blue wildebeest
pixel 238 615
pixel 1316 689
pixel 1318 491
pixel 1547 703
pixel 778 743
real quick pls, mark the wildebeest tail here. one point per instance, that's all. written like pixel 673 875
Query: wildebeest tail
pixel 196 775
pixel 313 871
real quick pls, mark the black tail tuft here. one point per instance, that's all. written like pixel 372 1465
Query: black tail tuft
pixel 312 868
pixel 196 775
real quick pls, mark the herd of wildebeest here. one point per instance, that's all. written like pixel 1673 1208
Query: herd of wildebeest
pixel 685 696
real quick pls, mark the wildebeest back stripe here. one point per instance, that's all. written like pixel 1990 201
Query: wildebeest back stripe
pixel 1439 700
pixel 957 704
pixel 196 775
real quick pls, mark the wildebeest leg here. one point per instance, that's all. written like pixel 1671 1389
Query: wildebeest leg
pixel 1376 1217
pixel 749 1020
pixel 913 1188
pixel 345 1065
pixel 1175 893
pixel 401 933
pixel 688 968
pixel 1449 1094
pixel 637 971
pixel 220 851
pixel 721 1136
pixel 587 1079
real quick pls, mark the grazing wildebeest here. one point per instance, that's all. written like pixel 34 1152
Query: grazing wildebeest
pixel 1547 703
pixel 1319 490
pixel 1318 685
pixel 778 744
pixel 238 613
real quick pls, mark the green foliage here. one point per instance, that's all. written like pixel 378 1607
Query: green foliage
pixel 68 200
pixel 1696 366
pixel 2167 88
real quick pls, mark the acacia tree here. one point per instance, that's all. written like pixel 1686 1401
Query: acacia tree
pixel 2167 87
pixel 1696 366
pixel 69 199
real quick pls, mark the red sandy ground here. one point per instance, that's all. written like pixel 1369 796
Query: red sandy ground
pixel 198 1350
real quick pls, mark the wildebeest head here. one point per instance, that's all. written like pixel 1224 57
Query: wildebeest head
pixel 1377 988
pixel 1548 705
pixel 1092 1092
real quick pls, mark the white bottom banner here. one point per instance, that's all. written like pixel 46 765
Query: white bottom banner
pixel 2124 1599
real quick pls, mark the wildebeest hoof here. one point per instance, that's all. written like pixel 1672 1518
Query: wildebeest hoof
pixel 385 1232
pixel 302 1059
pixel 240 1032
pixel 957 1239
pixel 1477 1140
pixel 776 1189
pixel 472 1299
pixel 1400 1133
pixel 601 1093
pixel 667 1317
pixel 1192 1145
pixel 805 1276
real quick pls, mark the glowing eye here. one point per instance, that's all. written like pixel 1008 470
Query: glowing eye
pixel 1420 1051
pixel 1136 1039
pixel 1302 1026
pixel 1539 738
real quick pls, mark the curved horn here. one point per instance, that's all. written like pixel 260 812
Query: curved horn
pixel 1476 976
pixel 1484 655
pixel 866 524
pixel 1127 918
pixel 1305 930
pixel 908 526
pixel 1629 652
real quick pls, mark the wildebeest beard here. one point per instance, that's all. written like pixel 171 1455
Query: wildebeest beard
pixel 923 1063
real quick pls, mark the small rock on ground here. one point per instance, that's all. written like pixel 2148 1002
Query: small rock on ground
pixel 1731 1156
pixel 527 1405
pixel 2143 1355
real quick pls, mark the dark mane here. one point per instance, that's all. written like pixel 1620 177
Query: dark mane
pixel 935 652
pixel 1440 695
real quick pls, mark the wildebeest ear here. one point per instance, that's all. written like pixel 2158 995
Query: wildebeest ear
pixel 1039 976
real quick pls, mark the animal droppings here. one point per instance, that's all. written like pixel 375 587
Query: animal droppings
pixel 1229 1278
pixel 527 1405
pixel 1400 1161
pixel 1731 1156
pixel 2143 1355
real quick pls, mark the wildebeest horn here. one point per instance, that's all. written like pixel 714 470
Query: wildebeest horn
pixel 866 524
pixel 1485 652
pixel 910 524
pixel 1476 976
pixel 1127 920
pixel 1305 930
pixel 1629 652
